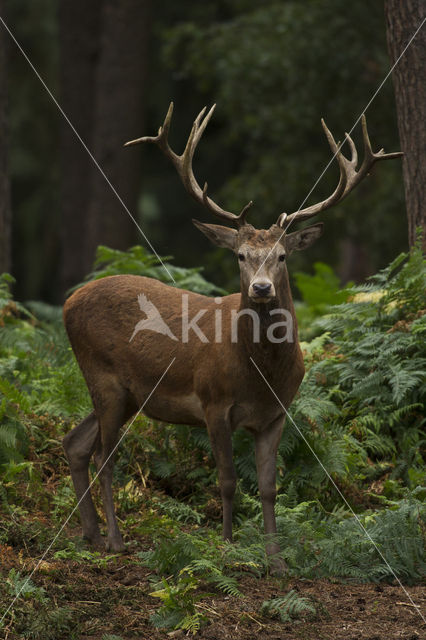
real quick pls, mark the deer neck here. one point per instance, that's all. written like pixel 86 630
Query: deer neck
pixel 277 338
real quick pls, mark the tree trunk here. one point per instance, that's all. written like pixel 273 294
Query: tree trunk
pixel 103 45
pixel 79 24
pixel 409 76
pixel 120 89
pixel 5 210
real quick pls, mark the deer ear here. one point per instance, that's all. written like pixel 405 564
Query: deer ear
pixel 222 236
pixel 303 239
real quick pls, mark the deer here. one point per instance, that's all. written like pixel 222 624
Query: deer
pixel 203 381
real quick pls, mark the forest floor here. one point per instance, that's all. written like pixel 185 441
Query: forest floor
pixel 114 599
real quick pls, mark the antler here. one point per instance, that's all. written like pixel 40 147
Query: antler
pixel 349 176
pixel 183 163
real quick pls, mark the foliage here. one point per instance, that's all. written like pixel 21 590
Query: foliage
pixel 358 428
pixel 138 261
pixel 193 561
pixel 38 375
pixel 22 587
pixel 287 608
pixel 178 610
pixel 361 401
pixel 177 457
pixel 373 546
pixel 377 546
pixel 72 552
pixel 202 553
pixel 319 292
pixel 20 530
pixel 34 616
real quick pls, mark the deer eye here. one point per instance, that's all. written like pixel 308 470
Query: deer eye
pixel 241 257
pixel 281 258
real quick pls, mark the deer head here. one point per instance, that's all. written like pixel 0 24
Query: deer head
pixel 262 253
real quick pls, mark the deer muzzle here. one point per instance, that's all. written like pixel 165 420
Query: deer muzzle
pixel 262 291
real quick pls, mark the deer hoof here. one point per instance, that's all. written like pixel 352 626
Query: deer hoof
pixel 95 540
pixel 115 544
pixel 278 567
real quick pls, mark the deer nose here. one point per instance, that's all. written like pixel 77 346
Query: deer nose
pixel 262 289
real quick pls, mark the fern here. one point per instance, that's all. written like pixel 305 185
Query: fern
pixel 290 607
pixel 178 610
pixel 179 511
pixel 336 545
pixel 365 384
pixel 138 261
pixel 206 570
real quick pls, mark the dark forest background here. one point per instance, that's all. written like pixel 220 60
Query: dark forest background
pixel 274 69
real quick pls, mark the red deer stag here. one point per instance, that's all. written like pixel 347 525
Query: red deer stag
pixel 212 380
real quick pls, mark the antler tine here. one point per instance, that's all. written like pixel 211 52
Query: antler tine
pixel 337 195
pixel 354 153
pixel 349 176
pixel 185 170
pixel 242 215
pixel 198 130
pixel 369 158
pixel 183 163
pixel 162 138
pixel 380 155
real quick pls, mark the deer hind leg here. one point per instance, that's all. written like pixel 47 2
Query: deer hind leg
pixel 113 413
pixel 220 435
pixel 79 445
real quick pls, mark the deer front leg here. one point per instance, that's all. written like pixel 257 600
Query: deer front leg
pixel 221 441
pixel 104 461
pixel 266 446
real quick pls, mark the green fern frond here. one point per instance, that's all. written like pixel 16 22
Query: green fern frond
pixel 290 607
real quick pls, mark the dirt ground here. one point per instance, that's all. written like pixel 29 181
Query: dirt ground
pixel 115 600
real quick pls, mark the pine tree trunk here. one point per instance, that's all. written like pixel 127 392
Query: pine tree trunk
pixel 120 90
pixel 409 76
pixel 5 209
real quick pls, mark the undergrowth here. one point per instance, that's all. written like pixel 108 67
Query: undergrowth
pixel 360 431
pixel 138 261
